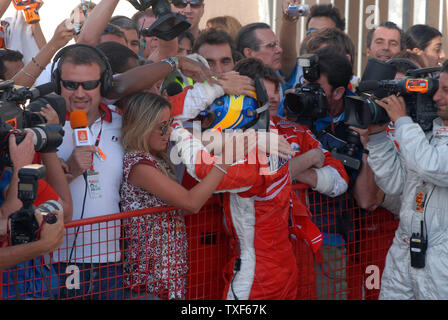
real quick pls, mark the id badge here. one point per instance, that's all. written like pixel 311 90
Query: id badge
pixel 420 199
pixel 93 184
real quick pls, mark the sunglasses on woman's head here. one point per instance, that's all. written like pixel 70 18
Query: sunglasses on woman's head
pixel 183 3
pixel 86 85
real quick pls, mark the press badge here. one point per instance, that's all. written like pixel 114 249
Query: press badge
pixel 93 184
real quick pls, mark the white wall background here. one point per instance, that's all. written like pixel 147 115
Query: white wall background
pixel 53 12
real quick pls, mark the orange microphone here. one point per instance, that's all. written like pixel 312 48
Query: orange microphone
pixel 80 126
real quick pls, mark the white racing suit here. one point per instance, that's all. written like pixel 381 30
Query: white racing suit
pixel 420 167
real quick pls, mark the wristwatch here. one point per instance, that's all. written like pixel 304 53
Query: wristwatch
pixel 173 62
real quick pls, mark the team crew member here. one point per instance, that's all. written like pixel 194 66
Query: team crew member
pixel 419 173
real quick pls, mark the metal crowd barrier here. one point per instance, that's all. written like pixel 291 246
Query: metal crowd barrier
pixel 140 255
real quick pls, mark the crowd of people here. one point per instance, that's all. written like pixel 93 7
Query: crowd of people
pixel 143 98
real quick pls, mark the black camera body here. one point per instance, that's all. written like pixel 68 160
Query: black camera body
pixel 15 117
pixel 168 24
pixel 309 99
pixel 23 222
pixel 416 89
pixel 349 153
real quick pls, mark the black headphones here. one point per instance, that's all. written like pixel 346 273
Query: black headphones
pixel 106 76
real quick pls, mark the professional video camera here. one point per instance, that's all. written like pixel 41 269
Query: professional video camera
pixel 24 225
pixel 416 89
pixel 29 8
pixel 15 118
pixel 309 99
pixel 168 24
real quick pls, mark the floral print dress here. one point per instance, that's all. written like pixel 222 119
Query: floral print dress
pixel 155 244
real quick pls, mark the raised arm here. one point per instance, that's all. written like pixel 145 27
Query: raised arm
pixel 165 49
pixel 37 30
pixel 28 75
pixel 144 77
pixel 4 4
pixel 152 180
pixel 288 42
pixel 97 22
pixel 155 182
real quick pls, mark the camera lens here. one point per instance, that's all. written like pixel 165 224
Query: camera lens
pixel 47 138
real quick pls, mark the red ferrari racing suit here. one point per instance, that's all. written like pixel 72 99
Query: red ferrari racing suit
pixel 257 208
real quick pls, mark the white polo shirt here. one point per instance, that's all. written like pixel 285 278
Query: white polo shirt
pixel 96 242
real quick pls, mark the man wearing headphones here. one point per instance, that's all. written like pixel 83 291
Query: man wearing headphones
pixel 82 76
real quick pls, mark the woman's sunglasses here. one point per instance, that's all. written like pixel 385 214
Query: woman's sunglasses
pixel 164 128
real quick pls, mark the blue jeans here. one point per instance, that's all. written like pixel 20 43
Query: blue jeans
pixel 91 281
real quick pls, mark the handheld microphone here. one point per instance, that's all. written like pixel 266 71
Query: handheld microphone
pixel 80 126
pixel 42 90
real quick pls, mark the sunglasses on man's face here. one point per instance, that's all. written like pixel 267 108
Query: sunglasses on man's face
pixel 183 3
pixel 86 85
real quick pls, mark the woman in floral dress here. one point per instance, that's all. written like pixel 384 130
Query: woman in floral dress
pixel 156 261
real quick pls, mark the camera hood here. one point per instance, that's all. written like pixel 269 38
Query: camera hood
pixel 378 70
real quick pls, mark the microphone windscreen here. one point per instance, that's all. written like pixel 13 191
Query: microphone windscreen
pixel 78 119
pixel 41 90
pixel 173 88
pixel 44 89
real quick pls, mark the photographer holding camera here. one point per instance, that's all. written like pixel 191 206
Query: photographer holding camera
pixel 51 235
pixel 320 105
pixel 418 171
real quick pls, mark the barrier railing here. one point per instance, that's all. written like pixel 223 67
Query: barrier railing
pixel 159 254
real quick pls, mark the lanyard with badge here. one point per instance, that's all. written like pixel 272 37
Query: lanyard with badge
pixel 93 177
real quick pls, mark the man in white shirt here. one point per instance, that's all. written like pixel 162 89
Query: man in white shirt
pixel 83 75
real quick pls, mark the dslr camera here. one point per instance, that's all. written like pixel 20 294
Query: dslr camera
pixel 417 89
pixel 24 227
pixel 309 99
pixel 15 117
